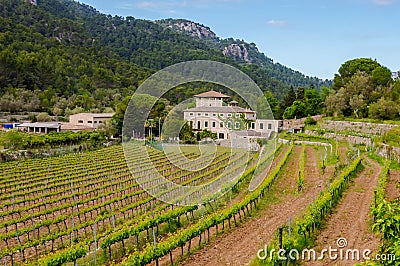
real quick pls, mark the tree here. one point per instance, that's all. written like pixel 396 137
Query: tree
pixel 384 109
pixel 310 121
pixel 186 134
pixel 395 91
pixel 287 101
pixel 273 103
pixel 381 76
pixel 300 95
pixel 109 127
pixel 290 97
pixel 297 110
pixel 392 137
pixel 313 102
pixel 150 124
pixel 324 93
pixel 76 110
pixel 336 103
pixel 131 114
pixel 120 110
pixel 12 139
pixel 356 102
pixel 43 117
pixel 350 68
pixel 359 83
pixel 207 134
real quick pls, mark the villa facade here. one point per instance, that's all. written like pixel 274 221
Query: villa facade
pixel 227 120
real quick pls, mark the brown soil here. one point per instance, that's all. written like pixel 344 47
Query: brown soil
pixel 351 219
pixel 240 245
pixel 393 185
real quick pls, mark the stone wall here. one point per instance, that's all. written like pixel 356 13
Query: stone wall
pixel 298 123
pixel 355 140
pixel 390 152
pixel 381 149
pixel 360 127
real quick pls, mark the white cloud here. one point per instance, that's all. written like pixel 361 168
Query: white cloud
pixel 275 22
pixel 383 2
pixel 180 4
pixel 160 4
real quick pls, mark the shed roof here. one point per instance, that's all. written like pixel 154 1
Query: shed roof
pixel 68 126
pixel 95 115
pixel 41 124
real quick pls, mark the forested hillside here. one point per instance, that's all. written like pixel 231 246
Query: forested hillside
pixel 63 57
pixel 244 53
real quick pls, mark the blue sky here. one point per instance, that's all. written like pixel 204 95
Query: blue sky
pixel 313 37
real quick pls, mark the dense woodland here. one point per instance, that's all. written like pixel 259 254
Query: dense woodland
pixel 63 57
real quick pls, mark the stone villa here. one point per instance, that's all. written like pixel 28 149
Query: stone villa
pixel 227 120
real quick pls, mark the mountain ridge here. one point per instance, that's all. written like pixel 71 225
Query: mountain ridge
pixel 66 52
pixel 239 50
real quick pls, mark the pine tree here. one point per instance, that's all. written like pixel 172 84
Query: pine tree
pixel 290 97
pixel 287 101
pixel 300 96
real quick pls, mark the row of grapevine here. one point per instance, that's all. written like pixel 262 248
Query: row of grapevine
pixel 94 188
pixel 305 226
pixel 386 221
pixel 300 177
pixel 179 239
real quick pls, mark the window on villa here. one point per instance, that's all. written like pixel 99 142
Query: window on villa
pixel 237 124
pixel 213 124
pixel 214 114
pixel 206 114
pixel 199 114
pixel 229 115
pixel 221 114
pixel 269 126
pixel 237 115
pixel 253 125
pixel 261 126
pixel 89 122
pixel 191 114
pixel 221 124
pixel 205 123
pixel 80 121
pixel 229 124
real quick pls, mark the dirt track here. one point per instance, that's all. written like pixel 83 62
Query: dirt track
pixel 240 246
pixel 351 219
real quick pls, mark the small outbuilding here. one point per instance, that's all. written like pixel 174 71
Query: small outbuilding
pixel 40 127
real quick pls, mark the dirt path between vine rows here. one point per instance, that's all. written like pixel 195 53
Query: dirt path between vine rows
pixel 351 219
pixel 240 246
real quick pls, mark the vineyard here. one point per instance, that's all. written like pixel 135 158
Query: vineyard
pixel 89 209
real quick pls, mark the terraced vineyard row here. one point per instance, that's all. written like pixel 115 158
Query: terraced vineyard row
pixel 53 205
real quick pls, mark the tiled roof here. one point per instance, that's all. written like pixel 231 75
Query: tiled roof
pixel 211 94
pixel 220 109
